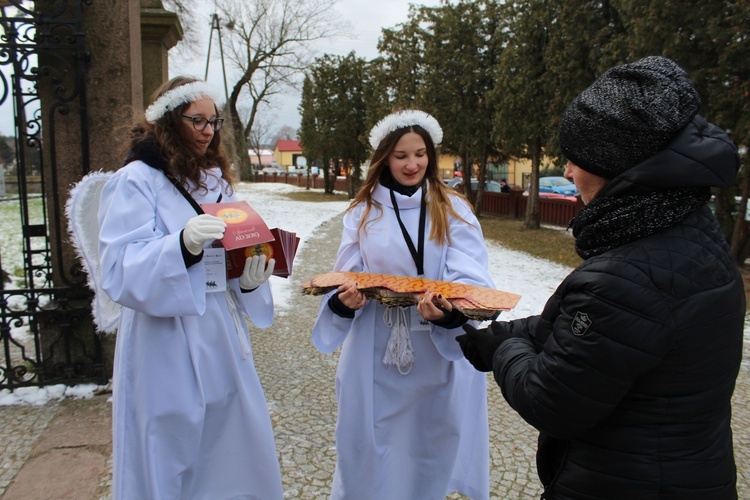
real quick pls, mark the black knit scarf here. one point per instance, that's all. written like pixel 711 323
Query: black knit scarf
pixel 610 222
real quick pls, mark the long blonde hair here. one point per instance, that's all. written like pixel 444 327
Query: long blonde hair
pixel 437 197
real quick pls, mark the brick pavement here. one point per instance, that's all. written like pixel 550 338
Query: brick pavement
pixel 63 450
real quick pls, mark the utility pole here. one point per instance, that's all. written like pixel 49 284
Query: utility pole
pixel 215 25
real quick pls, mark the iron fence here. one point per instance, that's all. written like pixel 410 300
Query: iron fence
pixel 45 318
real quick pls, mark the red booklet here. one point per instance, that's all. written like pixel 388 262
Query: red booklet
pixel 247 234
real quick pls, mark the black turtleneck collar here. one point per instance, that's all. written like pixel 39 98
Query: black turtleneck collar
pixel 387 180
pixel 149 153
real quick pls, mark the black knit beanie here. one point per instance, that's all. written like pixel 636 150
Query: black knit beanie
pixel 627 115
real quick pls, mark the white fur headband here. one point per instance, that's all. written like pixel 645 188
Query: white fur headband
pixel 178 96
pixel 407 118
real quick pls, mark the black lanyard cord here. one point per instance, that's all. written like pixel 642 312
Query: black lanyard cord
pixel 188 196
pixel 418 253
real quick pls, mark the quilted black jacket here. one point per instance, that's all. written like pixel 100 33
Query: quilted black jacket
pixel 629 370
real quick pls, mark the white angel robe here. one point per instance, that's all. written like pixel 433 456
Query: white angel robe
pixel 424 434
pixel 190 419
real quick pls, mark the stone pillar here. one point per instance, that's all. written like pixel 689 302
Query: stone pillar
pixel 86 115
pixel 111 86
pixel 90 92
pixel 160 31
pixel 91 89
pixel 114 79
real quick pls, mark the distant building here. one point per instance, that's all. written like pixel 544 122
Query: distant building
pixel 262 158
pixel 446 166
pixel 286 153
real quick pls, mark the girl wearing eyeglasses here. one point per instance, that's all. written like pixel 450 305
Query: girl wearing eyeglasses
pixel 190 418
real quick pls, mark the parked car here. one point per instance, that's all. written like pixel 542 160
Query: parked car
pixel 554 196
pixel 489 186
pixel 273 170
pixel 557 185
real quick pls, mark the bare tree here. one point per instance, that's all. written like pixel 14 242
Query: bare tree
pixel 268 42
pixel 258 137
pixel 190 47
pixel 285 133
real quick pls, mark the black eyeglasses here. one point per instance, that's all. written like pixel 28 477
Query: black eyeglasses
pixel 200 123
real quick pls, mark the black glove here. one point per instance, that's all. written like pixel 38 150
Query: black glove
pixel 479 346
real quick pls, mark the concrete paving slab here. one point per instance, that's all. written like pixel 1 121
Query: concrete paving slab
pixel 68 473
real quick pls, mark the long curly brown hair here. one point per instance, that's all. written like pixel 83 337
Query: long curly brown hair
pixel 437 196
pixel 181 162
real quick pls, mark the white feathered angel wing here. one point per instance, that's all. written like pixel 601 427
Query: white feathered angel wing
pixel 82 210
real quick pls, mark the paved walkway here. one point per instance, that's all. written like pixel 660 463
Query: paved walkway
pixel 63 450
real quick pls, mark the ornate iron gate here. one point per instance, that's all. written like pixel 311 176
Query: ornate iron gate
pixel 45 323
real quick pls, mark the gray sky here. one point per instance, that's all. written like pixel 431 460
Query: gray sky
pixel 366 17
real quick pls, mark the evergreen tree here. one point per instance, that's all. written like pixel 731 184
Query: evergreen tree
pixel 459 46
pixel 378 102
pixel 524 88
pixel 334 117
pixel 7 150
pixel 351 117
pixel 710 40
pixel 402 61
pixel 308 130
pixel 728 102
pixel 555 49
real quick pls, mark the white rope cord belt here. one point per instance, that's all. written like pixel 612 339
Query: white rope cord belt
pixel 240 322
pixel 398 352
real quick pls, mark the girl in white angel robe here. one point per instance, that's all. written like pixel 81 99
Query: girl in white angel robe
pixel 422 434
pixel 190 420
pixel 189 412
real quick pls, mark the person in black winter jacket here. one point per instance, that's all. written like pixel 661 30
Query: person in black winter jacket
pixel 629 370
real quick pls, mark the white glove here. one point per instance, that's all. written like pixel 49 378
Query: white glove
pixel 256 272
pixel 201 229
